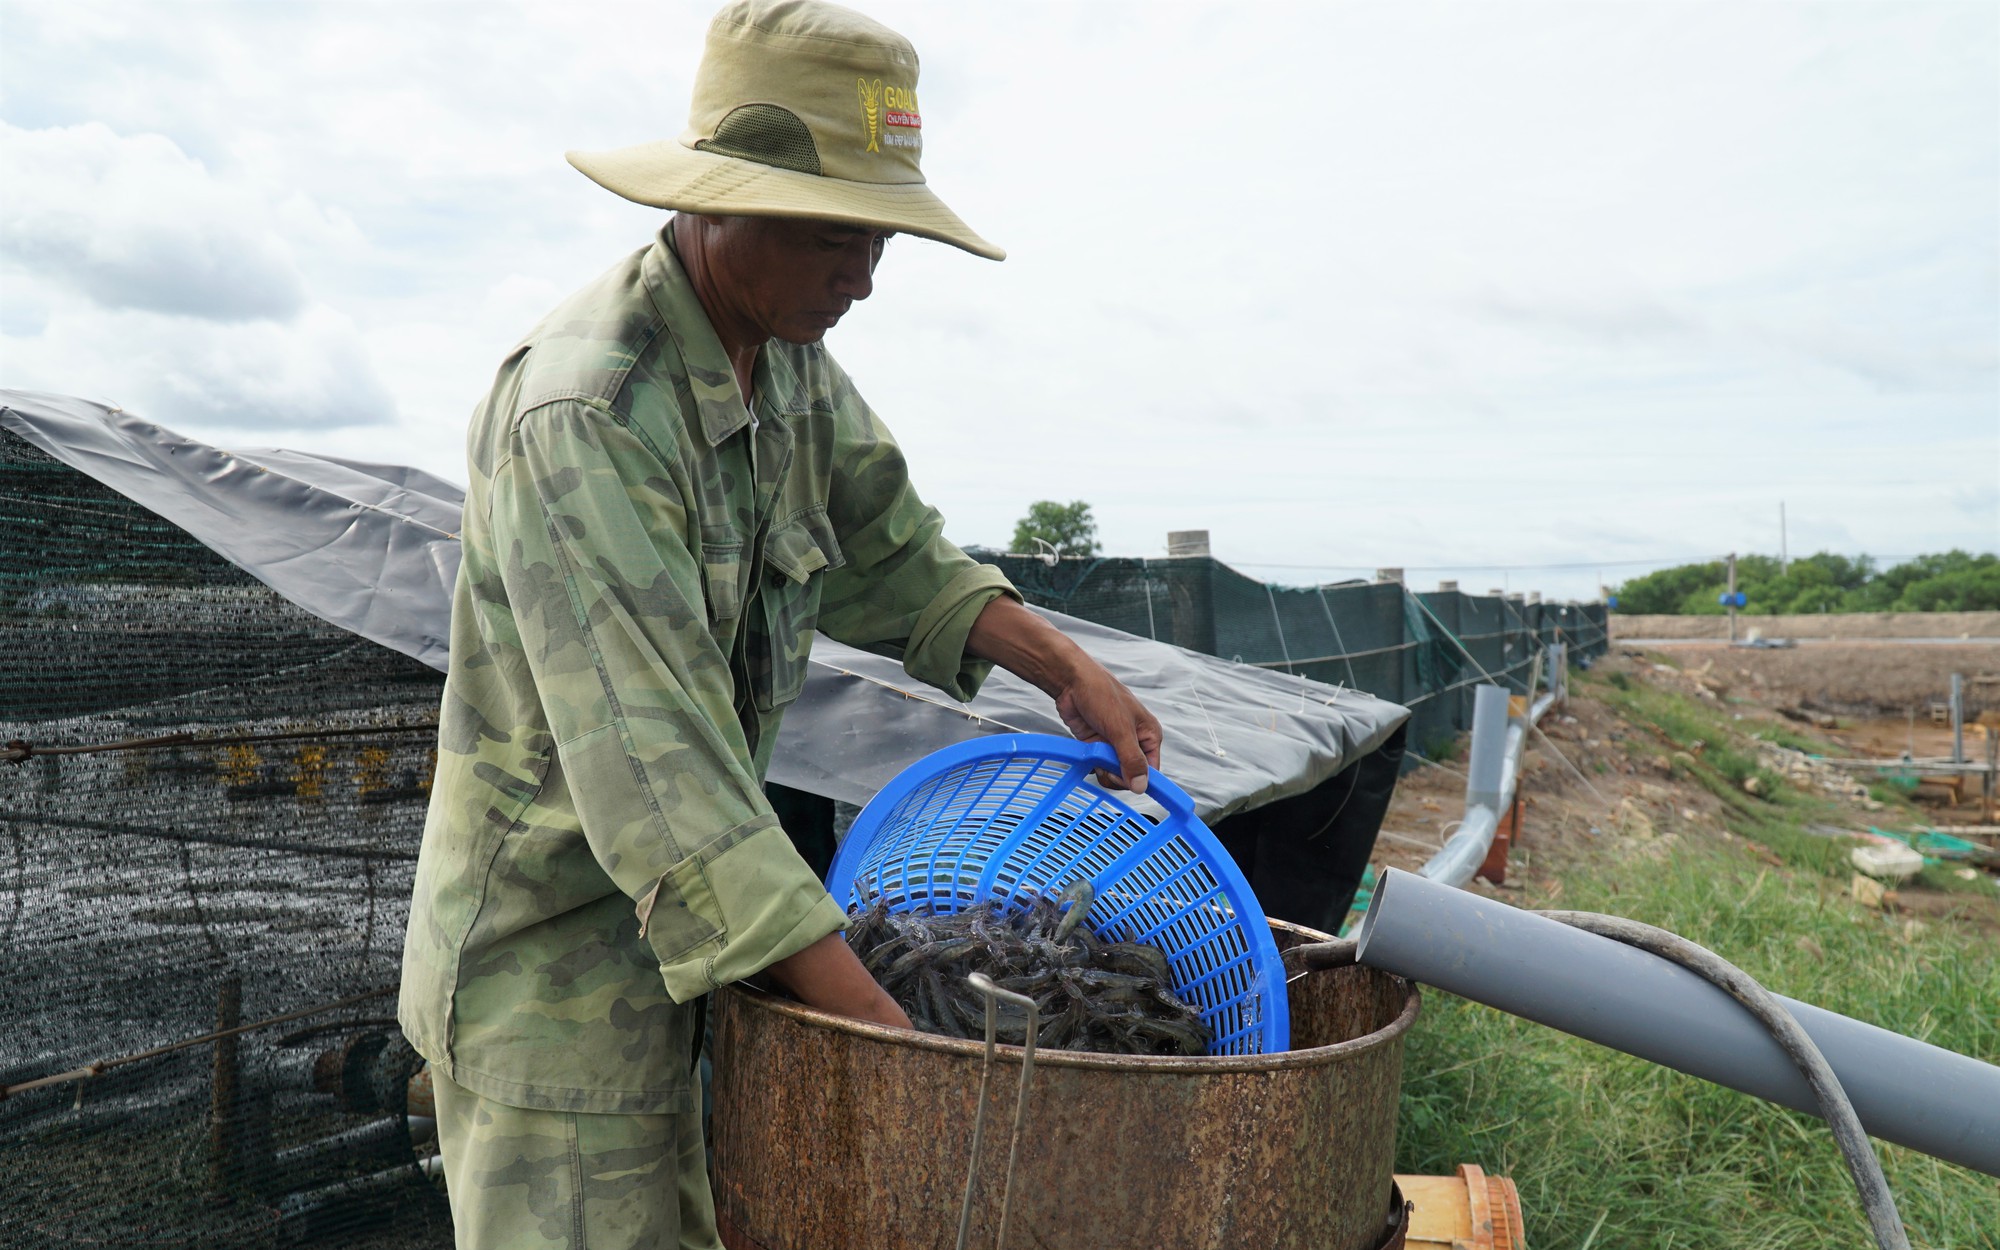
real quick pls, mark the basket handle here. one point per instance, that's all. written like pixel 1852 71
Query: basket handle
pixel 1158 788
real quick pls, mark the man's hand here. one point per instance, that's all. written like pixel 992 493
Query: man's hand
pixel 1095 705
pixel 829 976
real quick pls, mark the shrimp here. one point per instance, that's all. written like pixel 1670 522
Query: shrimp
pixel 1092 992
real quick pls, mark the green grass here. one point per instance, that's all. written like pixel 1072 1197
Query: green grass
pixel 1613 1151
pixel 1445 748
pixel 1944 878
pixel 1786 736
pixel 1663 1159
pixel 1703 744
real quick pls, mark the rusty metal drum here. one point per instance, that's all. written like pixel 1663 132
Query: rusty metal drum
pixel 833 1133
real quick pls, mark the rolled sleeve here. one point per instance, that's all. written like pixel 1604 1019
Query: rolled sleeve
pixel 936 650
pixel 744 881
pixel 613 622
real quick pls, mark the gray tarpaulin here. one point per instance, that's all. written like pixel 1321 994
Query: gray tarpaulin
pixel 374 549
pixel 371 548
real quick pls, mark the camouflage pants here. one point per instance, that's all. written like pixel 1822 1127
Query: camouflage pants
pixel 554 1180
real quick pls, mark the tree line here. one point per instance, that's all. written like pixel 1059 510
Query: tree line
pixel 1954 581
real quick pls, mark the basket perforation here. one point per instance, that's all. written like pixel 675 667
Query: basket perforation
pixel 1051 852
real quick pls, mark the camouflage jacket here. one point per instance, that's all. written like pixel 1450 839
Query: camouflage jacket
pixel 643 571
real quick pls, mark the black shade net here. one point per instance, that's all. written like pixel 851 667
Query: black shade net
pixel 209 816
pixel 1425 651
pixel 1305 855
pixel 210 807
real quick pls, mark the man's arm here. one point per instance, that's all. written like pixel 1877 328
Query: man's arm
pixel 829 976
pixel 1095 705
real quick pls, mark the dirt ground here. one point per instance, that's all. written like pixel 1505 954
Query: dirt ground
pixel 1588 794
pixel 1857 679
pixel 1984 625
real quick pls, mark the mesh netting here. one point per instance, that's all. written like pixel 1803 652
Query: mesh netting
pixel 210 807
pixel 766 134
pixel 231 840
pixel 1423 650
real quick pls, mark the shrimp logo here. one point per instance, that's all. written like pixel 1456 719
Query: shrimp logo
pixel 871 110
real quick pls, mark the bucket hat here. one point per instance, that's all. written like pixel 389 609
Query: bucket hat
pixel 801 109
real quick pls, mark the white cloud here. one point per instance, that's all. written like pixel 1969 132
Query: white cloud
pixel 133 222
pixel 298 376
pixel 133 274
pixel 1343 296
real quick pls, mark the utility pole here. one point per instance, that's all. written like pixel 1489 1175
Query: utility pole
pixel 1732 596
pixel 1784 558
pixel 1957 718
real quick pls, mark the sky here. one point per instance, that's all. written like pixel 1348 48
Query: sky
pixel 1521 294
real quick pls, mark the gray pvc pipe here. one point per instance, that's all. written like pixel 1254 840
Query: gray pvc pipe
pixel 1905 1091
pixel 1488 763
pixel 1491 773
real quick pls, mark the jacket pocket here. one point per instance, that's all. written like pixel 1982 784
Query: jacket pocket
pixel 722 572
pixel 795 555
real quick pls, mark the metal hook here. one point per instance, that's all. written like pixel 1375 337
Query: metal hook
pixel 993 993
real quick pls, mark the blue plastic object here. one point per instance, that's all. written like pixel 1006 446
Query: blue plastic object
pixel 1015 817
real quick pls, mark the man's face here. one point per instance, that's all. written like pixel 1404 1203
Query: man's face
pixel 791 279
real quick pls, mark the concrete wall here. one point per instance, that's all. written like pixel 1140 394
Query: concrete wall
pixel 1827 625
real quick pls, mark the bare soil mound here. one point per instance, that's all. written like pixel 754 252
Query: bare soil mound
pixel 1820 625
pixel 1608 786
pixel 1860 679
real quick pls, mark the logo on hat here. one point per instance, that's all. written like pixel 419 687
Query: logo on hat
pixel 871 110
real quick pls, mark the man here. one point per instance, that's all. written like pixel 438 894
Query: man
pixel 672 485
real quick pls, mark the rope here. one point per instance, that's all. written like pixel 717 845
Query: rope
pixel 194 901
pixel 1876 1200
pixel 1349 656
pixel 1425 608
pixel 1214 741
pixel 1578 773
pixel 1460 685
pixel 105 1065
pixel 1534 728
pixel 1354 783
pixel 1146 575
pixel 920 697
pixel 1327 608
pixel 1431 763
pixel 1279 623
pixel 211 839
pixel 1427 844
pixel 19 751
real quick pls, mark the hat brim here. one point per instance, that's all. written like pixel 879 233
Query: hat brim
pixel 667 174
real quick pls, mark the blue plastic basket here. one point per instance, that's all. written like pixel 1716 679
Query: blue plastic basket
pixel 1015 817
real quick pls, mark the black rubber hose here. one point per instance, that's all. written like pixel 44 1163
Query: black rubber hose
pixel 1876 1200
